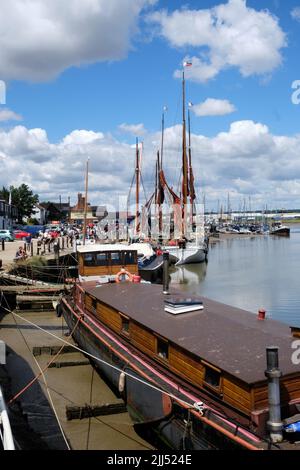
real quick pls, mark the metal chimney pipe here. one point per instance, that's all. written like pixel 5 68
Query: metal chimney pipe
pixel 273 374
pixel 166 273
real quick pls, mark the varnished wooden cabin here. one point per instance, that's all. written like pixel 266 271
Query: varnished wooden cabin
pixel 219 350
pixel 106 260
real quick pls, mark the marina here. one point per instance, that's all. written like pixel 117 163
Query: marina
pixel 150 230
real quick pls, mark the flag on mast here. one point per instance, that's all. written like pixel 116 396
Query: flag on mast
pixel 187 64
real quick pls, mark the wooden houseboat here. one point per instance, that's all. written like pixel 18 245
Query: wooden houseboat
pixel 107 260
pixel 197 380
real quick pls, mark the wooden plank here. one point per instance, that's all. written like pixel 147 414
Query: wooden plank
pixel 184 365
pixel 36 298
pixel 110 317
pixel 229 384
pixel 34 291
pixel 88 411
pixel 142 337
pixel 242 408
pixel 237 398
pixel 51 350
pixel 59 364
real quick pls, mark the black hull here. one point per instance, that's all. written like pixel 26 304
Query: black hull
pixel 153 272
pixel 153 411
pixel 285 232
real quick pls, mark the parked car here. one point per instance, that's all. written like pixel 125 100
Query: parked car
pixel 21 234
pixel 33 229
pixel 7 235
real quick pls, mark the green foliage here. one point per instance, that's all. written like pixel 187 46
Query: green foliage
pixel 32 221
pixel 36 261
pixel 21 197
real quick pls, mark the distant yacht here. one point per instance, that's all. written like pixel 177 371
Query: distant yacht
pixel 278 229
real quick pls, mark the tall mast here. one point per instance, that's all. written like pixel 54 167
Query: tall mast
pixel 160 166
pixel 137 187
pixel 162 136
pixel 184 159
pixel 85 200
pixel 190 173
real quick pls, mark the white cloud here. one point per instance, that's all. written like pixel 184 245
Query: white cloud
pixel 295 13
pixel 39 39
pixel 134 129
pixel 213 107
pixel 234 34
pixel 247 159
pixel 8 115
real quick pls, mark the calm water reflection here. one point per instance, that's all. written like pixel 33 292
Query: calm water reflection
pixel 249 273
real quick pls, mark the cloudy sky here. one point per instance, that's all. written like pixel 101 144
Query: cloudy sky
pixel 84 78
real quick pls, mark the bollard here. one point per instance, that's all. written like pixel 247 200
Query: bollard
pixel 261 314
pixel 3 244
pixel 166 273
pixel 56 250
pixel 63 243
pixel 31 248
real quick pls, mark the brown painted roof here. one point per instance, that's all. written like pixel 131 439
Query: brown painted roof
pixel 230 338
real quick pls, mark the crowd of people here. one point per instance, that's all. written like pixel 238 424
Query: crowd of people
pixel 50 235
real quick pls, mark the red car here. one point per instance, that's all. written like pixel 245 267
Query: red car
pixel 20 234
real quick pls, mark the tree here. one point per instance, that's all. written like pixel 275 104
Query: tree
pixel 21 197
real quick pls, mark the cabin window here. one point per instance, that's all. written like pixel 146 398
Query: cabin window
pixel 94 304
pixel 115 258
pixel 129 257
pixel 125 325
pixel 101 259
pixel 162 348
pixel 212 377
pixel 88 259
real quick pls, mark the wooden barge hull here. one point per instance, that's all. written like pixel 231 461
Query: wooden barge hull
pixel 157 403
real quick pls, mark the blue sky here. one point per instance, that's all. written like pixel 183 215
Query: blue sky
pixel 122 72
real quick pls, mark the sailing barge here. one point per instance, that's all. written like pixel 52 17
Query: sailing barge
pixel 198 380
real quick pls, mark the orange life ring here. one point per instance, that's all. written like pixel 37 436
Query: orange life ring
pixel 123 273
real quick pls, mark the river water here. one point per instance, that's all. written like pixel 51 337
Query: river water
pixel 250 272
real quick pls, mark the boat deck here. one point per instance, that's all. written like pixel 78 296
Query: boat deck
pixel 229 338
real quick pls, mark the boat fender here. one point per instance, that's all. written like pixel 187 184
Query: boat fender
pixel 121 274
pixel 58 310
pixel 122 382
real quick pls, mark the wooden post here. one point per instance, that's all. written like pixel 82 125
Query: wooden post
pixel 31 248
pixel 3 244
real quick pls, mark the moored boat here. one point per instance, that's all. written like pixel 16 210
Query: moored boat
pixel 107 260
pixel 196 379
pixel 279 229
